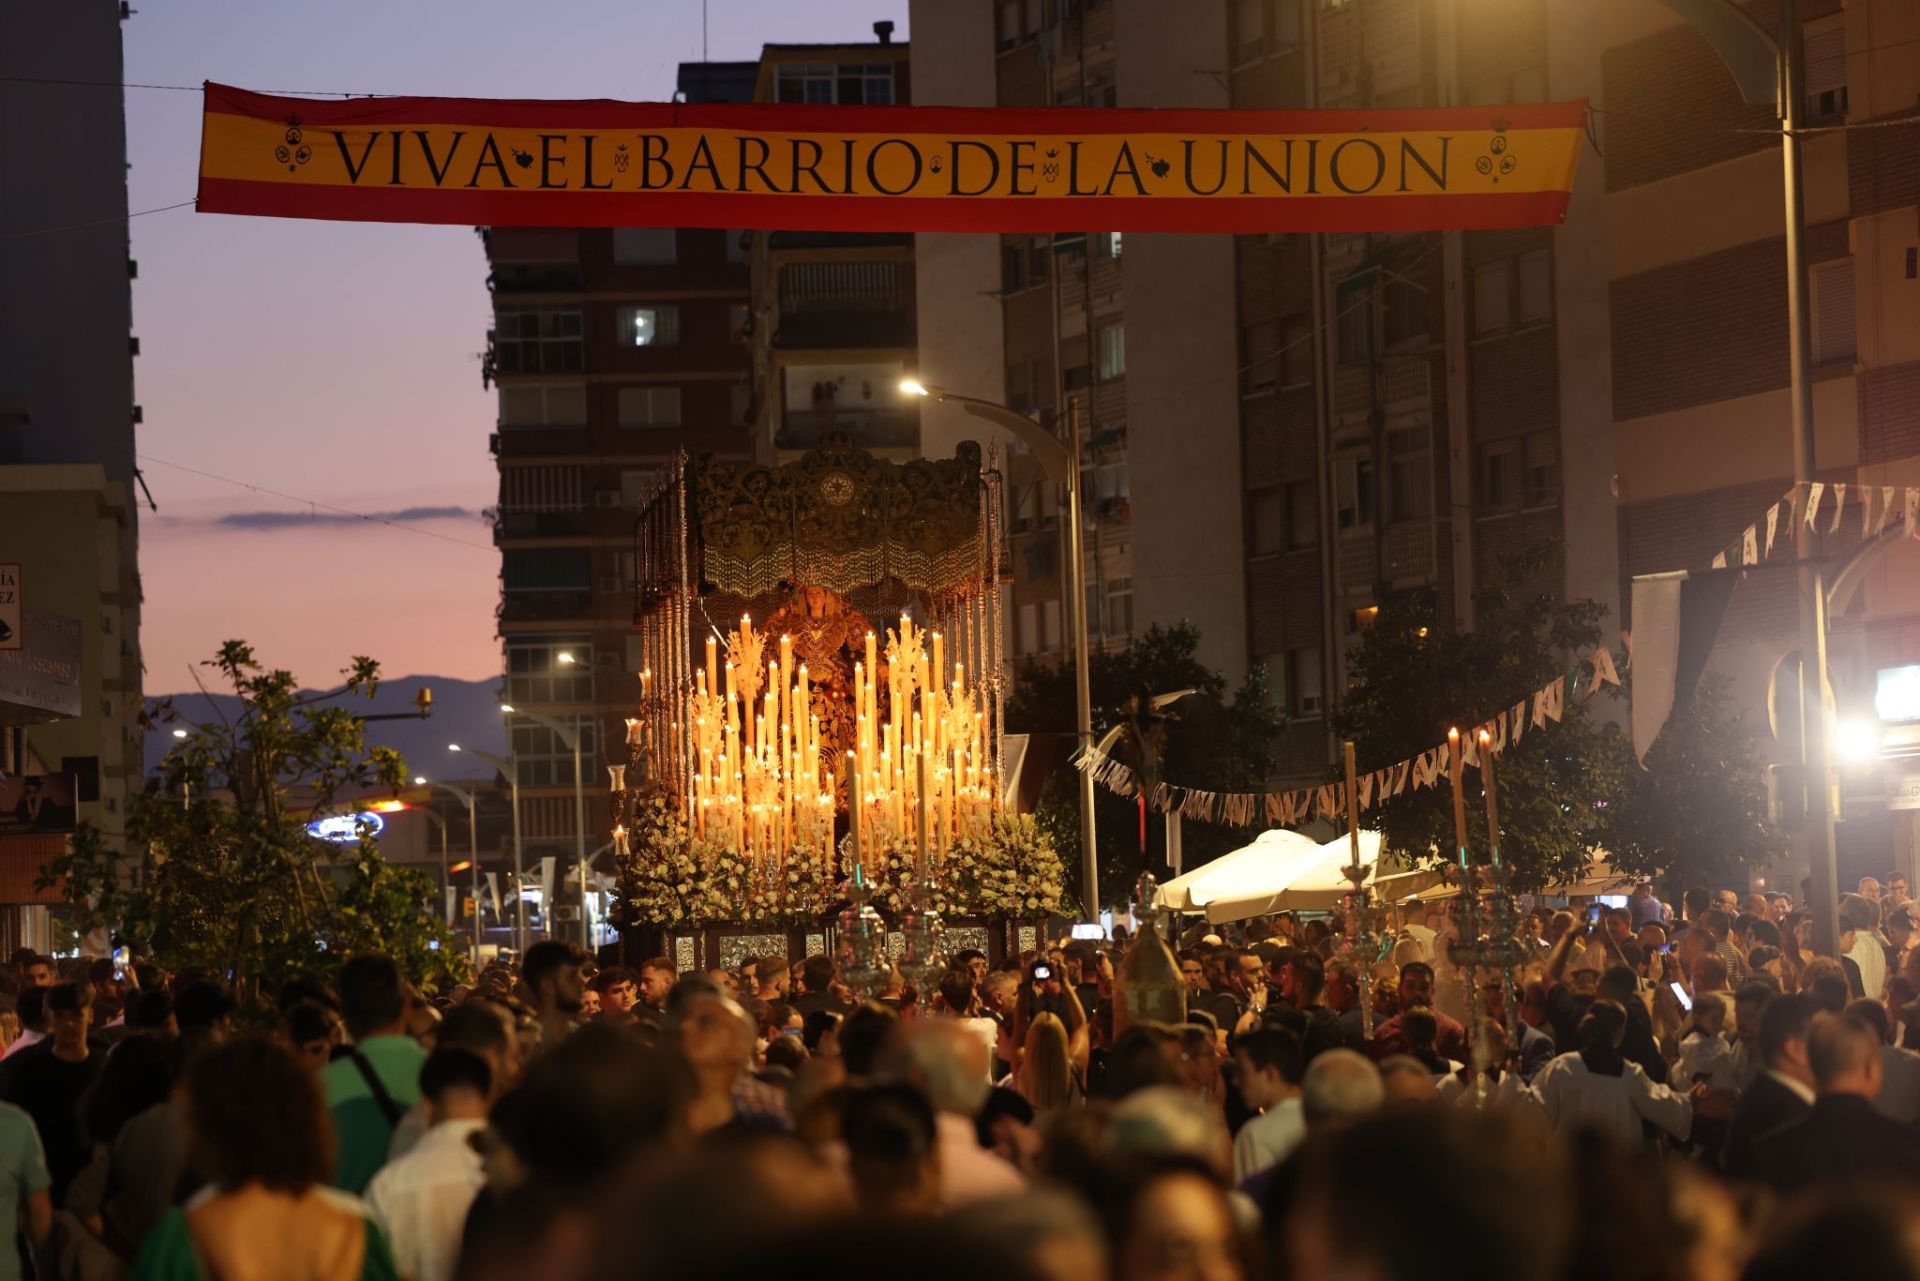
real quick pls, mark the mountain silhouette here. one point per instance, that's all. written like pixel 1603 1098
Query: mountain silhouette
pixel 464 712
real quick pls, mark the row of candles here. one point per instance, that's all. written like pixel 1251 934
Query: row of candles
pixel 764 781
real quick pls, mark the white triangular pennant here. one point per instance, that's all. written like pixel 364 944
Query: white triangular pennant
pixel 1839 505
pixel 1773 524
pixel 1814 490
pixel 1720 560
pixel 1750 546
pixel 1886 507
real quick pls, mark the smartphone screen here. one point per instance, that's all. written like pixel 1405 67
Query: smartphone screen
pixel 1680 995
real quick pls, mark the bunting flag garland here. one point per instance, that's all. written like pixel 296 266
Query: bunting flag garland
pixel 1509 726
pixel 1373 788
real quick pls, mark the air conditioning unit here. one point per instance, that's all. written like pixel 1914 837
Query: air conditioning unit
pixel 607 498
pixel 566 912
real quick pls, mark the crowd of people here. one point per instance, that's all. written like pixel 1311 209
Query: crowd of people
pixel 1684 1091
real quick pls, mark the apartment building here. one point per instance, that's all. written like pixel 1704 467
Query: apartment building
pixel 70 673
pixel 833 314
pixel 1306 425
pixel 612 350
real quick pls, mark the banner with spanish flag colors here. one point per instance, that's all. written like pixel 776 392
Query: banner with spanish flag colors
pixel 828 168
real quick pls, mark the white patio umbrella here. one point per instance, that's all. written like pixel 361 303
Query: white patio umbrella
pixel 1315 886
pixel 1272 858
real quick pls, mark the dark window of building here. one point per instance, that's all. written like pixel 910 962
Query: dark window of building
pixel 542 756
pixel 1266 521
pixel 1102 90
pixel 1296 352
pixel 1541 451
pixel 1499 474
pixel 1536 287
pixel 644 244
pixel 1249 31
pixel 1120 606
pixel 1353 489
pixel 1303 514
pixel 1409 474
pixel 1825 47
pixel 535 674
pixel 1260 357
pixel 1404 304
pixel 1113 352
pixel 1492 297
pixel 538 342
pixel 545 569
pixel 1353 320
pixel 850 83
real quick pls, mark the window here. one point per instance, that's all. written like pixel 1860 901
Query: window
pixel 1119 607
pixel 1041 560
pixel 1303 514
pixel 1404 304
pixel 852 83
pixel 1259 357
pixel 551 488
pixel 1266 520
pixel 643 244
pixel 1825 46
pixel 1113 352
pixel 1029 639
pixel 535 674
pixel 1296 352
pixel 739 322
pixel 1013 269
pixel 543 757
pixel 564 405
pixel 545 569
pixel 1353 490
pixel 649 406
pixel 1249 31
pixel 1106 244
pixel 1492 301
pixel 1831 302
pixel 1277 683
pixel 1409 473
pixel 1305 682
pixel 1353 320
pixel 538 342
pixel 1541 452
pixel 1102 89
pixel 1536 287
pixel 654 325
pixel 1499 473
pixel 1110 483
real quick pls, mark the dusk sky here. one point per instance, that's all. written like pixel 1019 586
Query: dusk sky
pixel 340 362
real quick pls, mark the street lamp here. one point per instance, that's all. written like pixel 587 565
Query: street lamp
pixel 468 797
pixel 511 770
pixel 570 735
pixel 1061 463
pixel 1769 70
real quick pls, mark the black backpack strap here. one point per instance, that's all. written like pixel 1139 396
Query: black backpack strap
pixel 389 1107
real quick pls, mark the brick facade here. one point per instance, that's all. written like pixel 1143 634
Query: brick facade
pixel 1889 413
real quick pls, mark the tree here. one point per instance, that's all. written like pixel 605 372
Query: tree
pixel 234 882
pixel 1697 813
pixel 1413 677
pixel 1213 740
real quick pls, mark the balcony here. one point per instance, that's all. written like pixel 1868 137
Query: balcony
pixel 536 278
pixel 531 607
pixel 844 304
pixel 843 330
pixel 869 428
pixel 542 524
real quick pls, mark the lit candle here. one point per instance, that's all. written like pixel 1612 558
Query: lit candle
pixel 855 815
pixel 713 662
pixel 1493 808
pixel 1456 759
pixel 786 676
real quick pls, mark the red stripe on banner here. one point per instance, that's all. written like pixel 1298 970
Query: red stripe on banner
pixel 378 113
pixel 1245 215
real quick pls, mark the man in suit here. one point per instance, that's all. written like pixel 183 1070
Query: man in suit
pixel 1841 1138
pixel 1783 1092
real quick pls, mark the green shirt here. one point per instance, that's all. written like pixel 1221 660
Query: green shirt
pixel 23 1171
pixel 168 1253
pixel 361 1126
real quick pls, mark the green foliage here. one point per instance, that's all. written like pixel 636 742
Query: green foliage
pixel 1413 676
pixel 1218 739
pixel 1698 812
pixel 233 881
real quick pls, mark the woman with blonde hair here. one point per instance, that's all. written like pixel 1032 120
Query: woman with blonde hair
pixel 1046 1075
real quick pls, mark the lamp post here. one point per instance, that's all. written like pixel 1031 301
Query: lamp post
pixel 507 767
pixel 469 798
pixel 1061 463
pixel 570 735
pixel 1769 68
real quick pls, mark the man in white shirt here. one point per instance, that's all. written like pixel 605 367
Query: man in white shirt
pixel 1271 1065
pixel 421 1200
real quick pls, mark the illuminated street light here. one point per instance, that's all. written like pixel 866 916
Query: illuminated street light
pixel 1856 739
pixel 565 659
pixel 179 733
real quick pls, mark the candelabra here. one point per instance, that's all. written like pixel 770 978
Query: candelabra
pixel 860 949
pixel 1488 933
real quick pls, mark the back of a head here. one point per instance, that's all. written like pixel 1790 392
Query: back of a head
pixel 770 970
pixel 888 1127
pixel 1273 1047
pixel 257 1117
pixel 817 972
pixel 31 1008
pixel 148 1011
pixel 956 991
pixel 1602 1026
pixel 476 1024
pixel 1873 1014
pixel 1137 1061
pixel 1863 1231
pixel 1840 1046
pixel 584 1107
pixel 1492 1203
pixel 1786 1018
pixel 1420 1027
pixel 307 1022
pixel 1339 1085
pixel 543 960
pixel 1696 900
pixel 685 991
pixel 1164 1121
pixel 1830 992
pixel 452 1068
pixel 1859 912
pixel 307 988
pixel 372 995
pixel 1618 982
pixel 864 1034
pixel 944 1061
